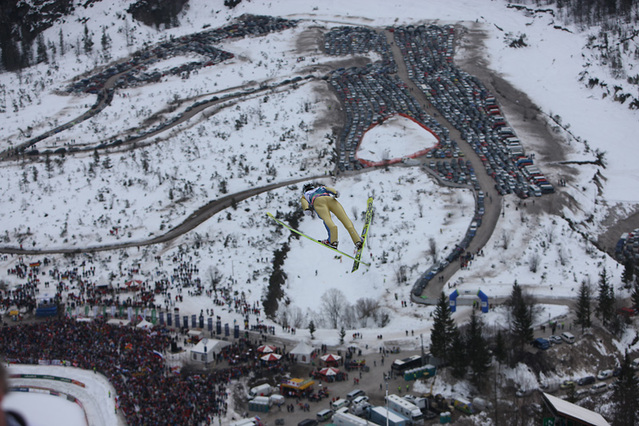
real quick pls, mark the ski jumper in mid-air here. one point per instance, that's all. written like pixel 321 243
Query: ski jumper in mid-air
pixel 321 199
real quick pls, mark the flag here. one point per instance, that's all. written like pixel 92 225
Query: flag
pixel 158 354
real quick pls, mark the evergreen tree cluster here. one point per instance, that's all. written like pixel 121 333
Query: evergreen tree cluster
pixel 625 396
pixel 467 352
pixel 157 12
pixel 20 24
pixel 590 12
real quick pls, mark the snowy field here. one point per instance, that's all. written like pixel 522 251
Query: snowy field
pixel 76 202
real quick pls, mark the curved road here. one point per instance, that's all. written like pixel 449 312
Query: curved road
pixel 196 218
pixel 492 202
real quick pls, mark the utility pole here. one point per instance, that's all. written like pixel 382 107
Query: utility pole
pixel 387 416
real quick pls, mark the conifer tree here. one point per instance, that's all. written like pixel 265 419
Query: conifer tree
pixel 625 396
pixel 605 299
pixel 311 328
pixel 635 296
pixel 444 329
pixel 477 348
pixel 501 350
pixel 457 355
pixel 62 48
pixel 583 307
pixel 86 40
pixel 521 318
pixel 628 272
pixel 41 50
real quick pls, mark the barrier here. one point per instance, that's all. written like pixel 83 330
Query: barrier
pixel 368 163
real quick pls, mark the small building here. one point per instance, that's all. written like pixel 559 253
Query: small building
pixel 302 353
pixel 564 412
pixel 207 349
pixel 296 387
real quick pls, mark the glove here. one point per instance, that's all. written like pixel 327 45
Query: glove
pixel 308 212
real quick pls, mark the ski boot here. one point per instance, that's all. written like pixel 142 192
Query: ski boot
pixel 328 243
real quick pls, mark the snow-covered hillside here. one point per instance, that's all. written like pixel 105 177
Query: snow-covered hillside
pixel 253 139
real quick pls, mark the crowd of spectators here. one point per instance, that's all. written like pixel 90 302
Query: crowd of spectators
pixel 148 392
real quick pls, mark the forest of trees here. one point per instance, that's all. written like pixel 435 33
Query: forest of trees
pixel 469 352
pixel 589 12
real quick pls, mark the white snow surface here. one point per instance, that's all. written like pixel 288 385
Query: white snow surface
pixel 396 137
pixel 97 397
pixel 150 190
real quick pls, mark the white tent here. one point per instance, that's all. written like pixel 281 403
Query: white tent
pixel 206 350
pixel 120 322
pixel 302 353
pixel 144 324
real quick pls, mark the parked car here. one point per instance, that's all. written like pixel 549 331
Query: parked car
pixel 358 400
pixel 324 415
pixel 567 384
pixel 568 337
pixel 541 343
pixel 554 339
pixel 598 388
pixel 604 374
pixel 588 380
pixel 524 392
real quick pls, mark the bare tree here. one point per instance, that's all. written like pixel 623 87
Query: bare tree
pixel 349 316
pixel 432 246
pixel 505 240
pixel 333 303
pixel 366 307
pixel 290 316
pixel 561 254
pixel 400 274
pixel 214 277
pixel 533 262
pixel 550 233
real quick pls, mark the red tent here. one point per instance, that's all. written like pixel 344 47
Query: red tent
pixel 271 357
pixel 266 349
pixel 330 359
pixel 329 371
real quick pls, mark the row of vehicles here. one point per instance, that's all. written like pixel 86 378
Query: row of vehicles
pixel 467 104
pixel 541 343
pixel 355 410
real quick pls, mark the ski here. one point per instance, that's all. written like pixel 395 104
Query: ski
pixel 369 217
pixel 314 240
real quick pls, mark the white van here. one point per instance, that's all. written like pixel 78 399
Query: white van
pixel 339 403
pixel 354 394
pixel 568 337
pixel 261 390
pixel 324 415
pixel 598 388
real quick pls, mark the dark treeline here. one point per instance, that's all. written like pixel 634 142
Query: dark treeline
pixel 589 12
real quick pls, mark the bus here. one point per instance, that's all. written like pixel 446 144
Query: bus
pixel 401 365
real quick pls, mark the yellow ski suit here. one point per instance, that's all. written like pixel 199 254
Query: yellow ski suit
pixel 321 200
